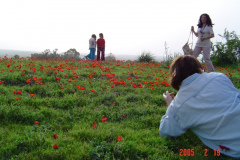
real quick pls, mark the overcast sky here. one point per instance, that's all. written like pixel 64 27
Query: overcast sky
pixel 129 26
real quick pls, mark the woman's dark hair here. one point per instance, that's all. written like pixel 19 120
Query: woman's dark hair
pixel 181 68
pixel 209 21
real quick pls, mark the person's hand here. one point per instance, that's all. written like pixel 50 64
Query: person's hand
pixel 192 28
pixel 203 38
pixel 168 97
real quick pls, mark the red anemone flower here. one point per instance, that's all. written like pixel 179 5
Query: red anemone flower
pixel 104 119
pixel 94 125
pixel 55 146
pixel 119 138
pixel 55 136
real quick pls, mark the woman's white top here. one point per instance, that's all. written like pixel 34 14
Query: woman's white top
pixel 204 32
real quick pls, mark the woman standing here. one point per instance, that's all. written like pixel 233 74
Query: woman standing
pixel 204 33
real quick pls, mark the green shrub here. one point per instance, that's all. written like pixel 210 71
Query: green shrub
pixel 229 52
pixel 145 57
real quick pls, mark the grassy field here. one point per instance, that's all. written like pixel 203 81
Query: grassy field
pixel 90 110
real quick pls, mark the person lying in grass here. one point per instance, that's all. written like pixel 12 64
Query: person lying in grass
pixel 206 103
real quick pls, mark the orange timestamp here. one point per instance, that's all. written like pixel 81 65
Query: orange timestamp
pixel 191 152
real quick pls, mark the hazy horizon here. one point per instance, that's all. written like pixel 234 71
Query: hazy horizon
pixel 11 53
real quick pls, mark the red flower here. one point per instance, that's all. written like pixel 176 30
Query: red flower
pixel 32 95
pixel 34 78
pixel 14 92
pixel 104 119
pixel 36 122
pixel 57 79
pixel 123 115
pixel 28 80
pixel 55 146
pixel 119 138
pixel 17 98
pixel 94 125
pixel 19 92
pixel 93 90
pixel 55 136
pixel 62 87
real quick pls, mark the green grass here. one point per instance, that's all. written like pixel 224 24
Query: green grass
pixel 133 113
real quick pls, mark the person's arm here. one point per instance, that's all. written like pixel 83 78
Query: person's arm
pixel 104 45
pixel 195 33
pixel 169 127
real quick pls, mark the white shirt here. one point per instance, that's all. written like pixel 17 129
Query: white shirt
pixel 92 45
pixel 204 32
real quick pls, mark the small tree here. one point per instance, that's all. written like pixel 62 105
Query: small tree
pixel 71 53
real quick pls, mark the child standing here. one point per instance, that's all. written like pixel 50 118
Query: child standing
pixel 100 48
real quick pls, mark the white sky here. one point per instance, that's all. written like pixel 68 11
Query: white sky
pixel 129 26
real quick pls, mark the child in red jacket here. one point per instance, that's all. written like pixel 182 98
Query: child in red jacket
pixel 100 47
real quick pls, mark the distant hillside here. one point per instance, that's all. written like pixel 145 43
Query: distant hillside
pixel 11 53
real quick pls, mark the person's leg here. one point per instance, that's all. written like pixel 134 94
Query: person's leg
pixel 89 55
pixel 196 51
pixel 103 55
pixel 206 56
pixel 93 55
pixel 98 53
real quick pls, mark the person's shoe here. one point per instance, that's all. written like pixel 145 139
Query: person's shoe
pixel 86 57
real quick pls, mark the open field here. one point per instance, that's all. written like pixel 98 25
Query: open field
pixel 90 110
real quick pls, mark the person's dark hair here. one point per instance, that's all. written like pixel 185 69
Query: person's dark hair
pixel 93 36
pixel 209 21
pixel 181 68
pixel 100 34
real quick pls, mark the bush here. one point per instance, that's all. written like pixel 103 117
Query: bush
pixel 110 57
pixel 229 52
pixel 145 57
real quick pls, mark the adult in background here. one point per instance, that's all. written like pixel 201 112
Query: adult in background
pixel 206 103
pixel 100 48
pixel 204 33
pixel 92 47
